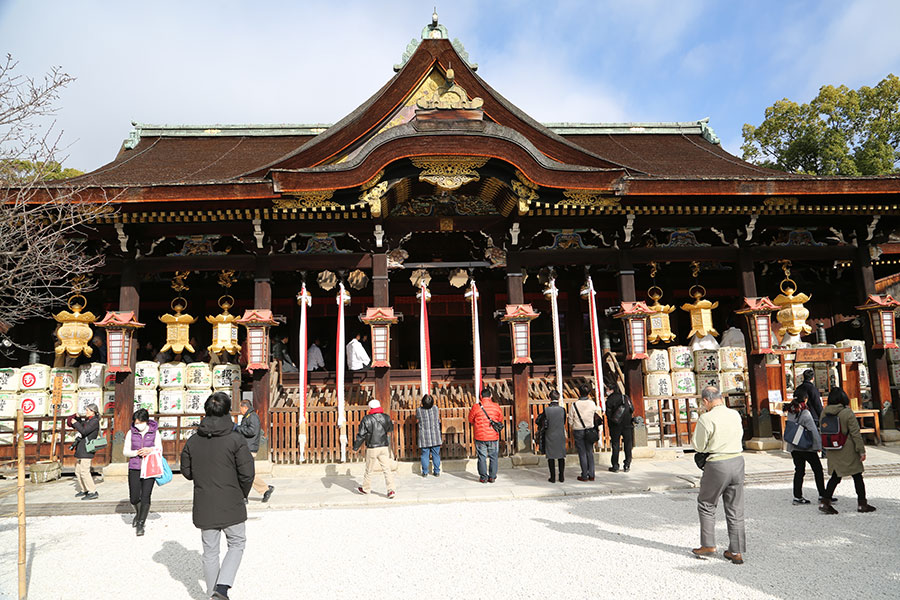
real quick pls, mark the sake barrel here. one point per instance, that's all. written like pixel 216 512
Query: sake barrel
pixel 91 376
pixel 145 399
pixel 69 377
pixel 146 375
pixel 194 400
pixel 189 426
pixel 684 383
pixel 224 375
pixel 9 379
pixel 857 350
pixel 732 381
pixel 732 359
pixel 706 361
pixel 863 376
pixel 68 404
pixel 705 380
pixel 657 361
pixel 9 403
pixel 658 384
pixel 30 431
pixel 171 401
pixel 109 381
pixel 198 376
pixel 34 403
pixel 34 377
pixel 893 355
pixel 86 397
pixel 109 402
pixel 171 375
pixel 167 434
pixel 681 358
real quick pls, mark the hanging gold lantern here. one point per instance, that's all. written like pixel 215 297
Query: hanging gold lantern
pixel 178 334
pixel 701 313
pixel 793 314
pixel 660 327
pixel 75 333
pixel 225 331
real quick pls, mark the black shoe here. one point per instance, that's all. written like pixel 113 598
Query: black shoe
pixel 268 493
pixel 137 512
pixel 562 478
pixel 833 500
pixel 491 479
pixel 91 496
pixel 613 469
pixel 626 468
pixel 361 491
pixel 800 501
pixel 218 596
pixel 142 518
pixel 437 473
pixel 552 480
pixel 482 479
pixel 80 494
pixel 424 475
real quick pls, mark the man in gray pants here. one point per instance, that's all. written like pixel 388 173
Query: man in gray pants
pixel 719 433
pixel 218 461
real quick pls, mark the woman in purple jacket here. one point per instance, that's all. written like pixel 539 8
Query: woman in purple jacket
pixel 140 441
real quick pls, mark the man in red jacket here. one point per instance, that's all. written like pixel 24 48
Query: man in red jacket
pixel 487 439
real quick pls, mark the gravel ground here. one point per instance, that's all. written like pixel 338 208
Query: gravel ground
pixel 609 546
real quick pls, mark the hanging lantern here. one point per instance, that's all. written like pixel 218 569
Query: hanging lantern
pixel 635 314
pixel 178 325
pixel 75 332
pixel 793 314
pixel 225 330
pixel 701 313
pixel 380 320
pixel 758 312
pixel 519 317
pixel 881 319
pixel 257 321
pixel 660 327
pixel 120 328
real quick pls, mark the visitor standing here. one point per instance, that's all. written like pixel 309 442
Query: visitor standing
pixel 552 434
pixel 620 418
pixel 217 459
pixel 251 428
pixel 142 439
pixel 798 413
pixel 846 461
pixel 583 416
pixel 429 419
pixel 484 415
pixel 88 429
pixel 375 432
pixel 808 392
pixel 719 434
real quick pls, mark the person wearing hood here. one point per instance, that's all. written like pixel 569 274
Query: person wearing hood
pixel 141 440
pixel 552 436
pixel 375 433
pixel 251 428
pixel 846 461
pixel 88 428
pixel 217 459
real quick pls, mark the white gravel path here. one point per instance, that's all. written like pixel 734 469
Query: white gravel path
pixel 614 546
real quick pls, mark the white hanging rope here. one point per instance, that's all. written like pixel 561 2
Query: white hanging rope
pixel 552 294
pixel 424 341
pixel 472 295
pixel 340 370
pixel 596 348
pixel 304 298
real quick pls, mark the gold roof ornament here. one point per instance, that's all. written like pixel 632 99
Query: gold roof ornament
pixel 793 314
pixel 75 331
pixel 660 326
pixel 453 97
pixel 178 334
pixel 225 330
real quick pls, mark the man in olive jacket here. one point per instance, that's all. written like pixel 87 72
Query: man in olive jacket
pixel 216 458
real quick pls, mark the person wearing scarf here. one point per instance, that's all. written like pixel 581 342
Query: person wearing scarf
pixel 375 433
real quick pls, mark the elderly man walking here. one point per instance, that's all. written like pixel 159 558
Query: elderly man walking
pixel 375 432
pixel 217 459
pixel 718 434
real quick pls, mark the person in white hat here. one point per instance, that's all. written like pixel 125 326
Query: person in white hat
pixel 375 432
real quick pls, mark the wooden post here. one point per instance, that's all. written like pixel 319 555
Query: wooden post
pixel 879 381
pixel 382 299
pixel 57 398
pixel 634 384
pixel 521 413
pixel 129 300
pixel 262 298
pixel 20 489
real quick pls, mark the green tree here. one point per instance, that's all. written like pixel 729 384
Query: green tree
pixel 839 132
pixel 21 170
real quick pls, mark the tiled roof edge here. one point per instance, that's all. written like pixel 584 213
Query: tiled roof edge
pixel 700 127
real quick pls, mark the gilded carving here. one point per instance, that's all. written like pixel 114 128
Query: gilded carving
pixel 374 197
pixel 780 202
pixel 588 199
pixel 453 97
pixel 376 179
pixel 449 172
pixel 307 200
pixel 526 191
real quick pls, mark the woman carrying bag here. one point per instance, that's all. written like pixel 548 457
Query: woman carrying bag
pixel 802 440
pixel 140 441
pixel 88 429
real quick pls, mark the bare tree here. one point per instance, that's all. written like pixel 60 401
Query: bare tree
pixel 43 223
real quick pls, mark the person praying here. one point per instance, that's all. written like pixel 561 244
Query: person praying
pixel 314 358
pixel 357 357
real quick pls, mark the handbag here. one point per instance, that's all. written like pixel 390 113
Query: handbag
pixel 151 465
pixel 700 459
pixel 95 444
pixel 591 434
pixel 496 425
pixel 166 476
pixel 796 434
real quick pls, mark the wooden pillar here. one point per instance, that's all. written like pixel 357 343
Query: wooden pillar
pixel 381 298
pixel 521 409
pixel 760 419
pixel 129 300
pixel 879 381
pixel 575 325
pixel 634 384
pixel 262 298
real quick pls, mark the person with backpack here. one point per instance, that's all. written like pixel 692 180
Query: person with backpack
pixel 844 449
pixel 804 446
pixel 619 415
pixel 487 420
pixel 584 419
pixel 552 434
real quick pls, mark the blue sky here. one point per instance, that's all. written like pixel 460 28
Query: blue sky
pixel 306 62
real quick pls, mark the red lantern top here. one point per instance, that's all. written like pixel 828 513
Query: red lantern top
pixel 379 316
pixel 519 312
pixel 119 320
pixel 257 316
pixel 875 302
pixel 757 305
pixel 634 310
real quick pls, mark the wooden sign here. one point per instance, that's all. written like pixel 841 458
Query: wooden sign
pixel 818 354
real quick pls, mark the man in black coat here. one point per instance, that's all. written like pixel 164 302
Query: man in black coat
pixel 812 396
pixel 251 428
pixel 217 459
pixel 619 414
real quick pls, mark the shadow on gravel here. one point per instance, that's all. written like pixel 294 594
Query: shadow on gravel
pixel 184 566
pixel 860 547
